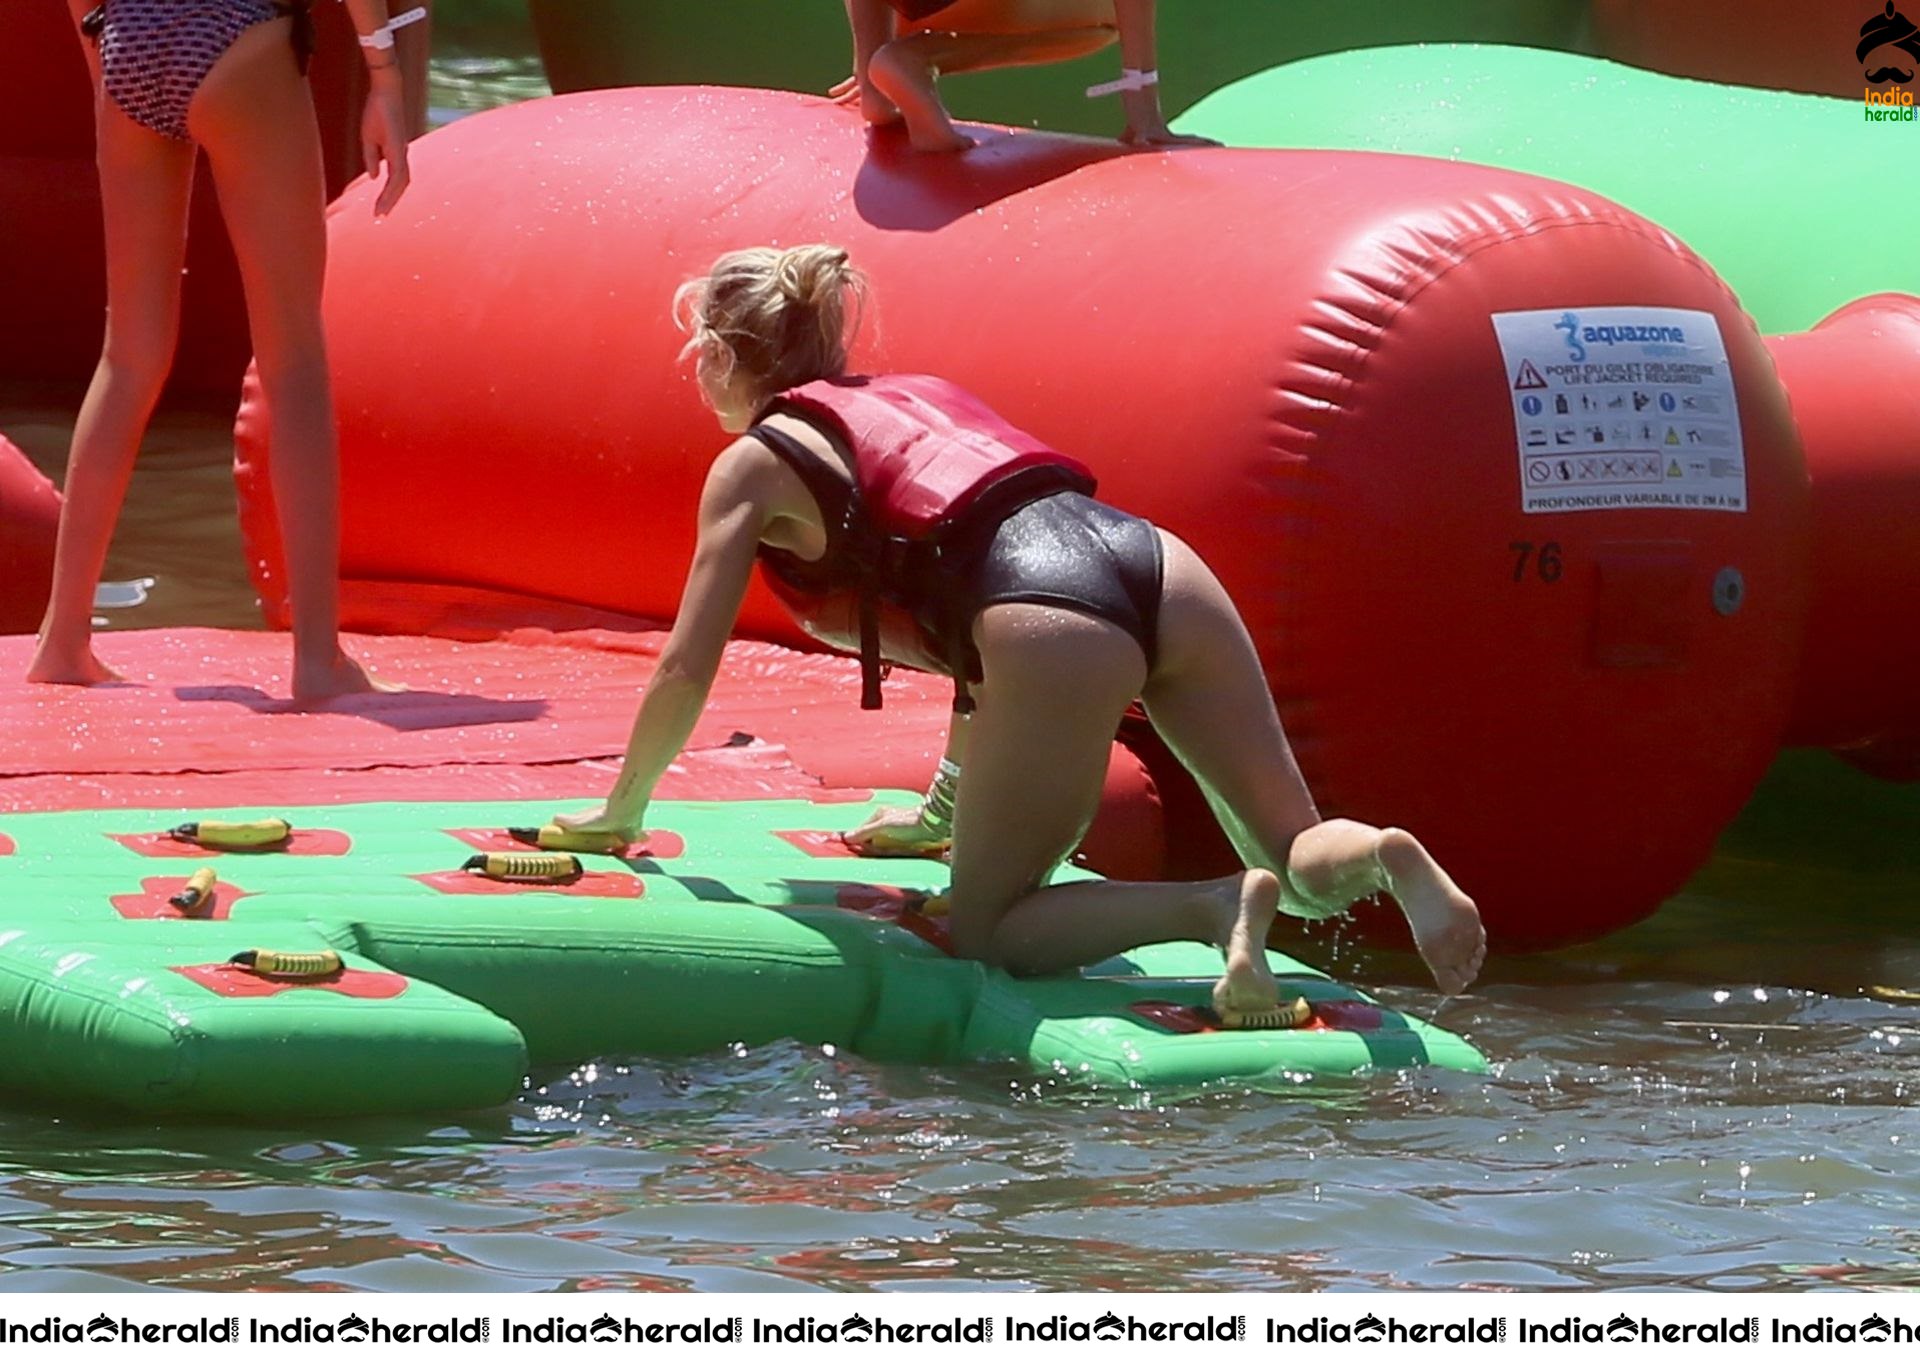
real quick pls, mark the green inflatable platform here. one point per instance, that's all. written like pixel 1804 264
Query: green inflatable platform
pixel 1204 44
pixel 1793 198
pixel 746 922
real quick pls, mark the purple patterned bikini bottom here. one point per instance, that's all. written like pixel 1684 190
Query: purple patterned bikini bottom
pixel 155 53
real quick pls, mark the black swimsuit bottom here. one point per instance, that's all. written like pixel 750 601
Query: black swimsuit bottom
pixel 1071 551
pixel 1064 549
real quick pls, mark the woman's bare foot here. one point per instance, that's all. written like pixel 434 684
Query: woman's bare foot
pixel 943 139
pixel 908 86
pixel 1246 905
pixel 1446 924
pixel 69 666
pixel 337 676
pixel 875 107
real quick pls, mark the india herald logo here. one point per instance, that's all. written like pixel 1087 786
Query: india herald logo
pixel 1888 29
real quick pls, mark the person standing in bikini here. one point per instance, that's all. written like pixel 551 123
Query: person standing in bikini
pixel 172 76
pixel 902 47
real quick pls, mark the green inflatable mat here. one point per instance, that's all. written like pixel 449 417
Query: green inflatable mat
pixel 1790 197
pixel 745 922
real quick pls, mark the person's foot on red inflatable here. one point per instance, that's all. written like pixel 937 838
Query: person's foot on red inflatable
pixel 337 676
pixel 53 665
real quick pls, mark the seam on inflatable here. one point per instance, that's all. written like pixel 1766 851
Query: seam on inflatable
pixel 1355 326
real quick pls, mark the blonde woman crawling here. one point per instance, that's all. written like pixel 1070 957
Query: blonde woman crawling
pixel 1051 610
pixel 902 47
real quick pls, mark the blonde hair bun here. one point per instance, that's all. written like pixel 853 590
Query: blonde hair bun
pixel 811 274
pixel 780 316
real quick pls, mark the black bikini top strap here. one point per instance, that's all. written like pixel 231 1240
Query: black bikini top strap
pixel 829 487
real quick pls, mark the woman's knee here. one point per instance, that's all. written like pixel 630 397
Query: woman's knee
pixel 136 362
pixel 974 917
pixel 972 943
pixel 295 371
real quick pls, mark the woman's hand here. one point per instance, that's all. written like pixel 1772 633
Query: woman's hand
pixel 896 832
pixel 383 135
pixel 622 824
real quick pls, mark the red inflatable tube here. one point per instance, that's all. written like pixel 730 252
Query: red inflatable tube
pixel 29 517
pixel 1854 396
pixel 1287 358
pixel 1775 44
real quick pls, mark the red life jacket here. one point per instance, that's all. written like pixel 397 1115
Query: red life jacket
pixel 933 463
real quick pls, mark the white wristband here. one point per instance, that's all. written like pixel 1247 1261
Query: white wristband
pixel 382 38
pixel 1130 79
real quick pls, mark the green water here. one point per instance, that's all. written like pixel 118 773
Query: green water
pixel 1610 1149
pixel 483 56
pixel 1707 1100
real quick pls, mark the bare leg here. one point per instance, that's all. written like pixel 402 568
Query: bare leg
pixel 906 70
pixel 256 120
pixel 872 25
pixel 1340 861
pixel 1209 700
pixel 145 183
pixel 1056 683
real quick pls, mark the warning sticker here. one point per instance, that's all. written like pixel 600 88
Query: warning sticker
pixel 1622 407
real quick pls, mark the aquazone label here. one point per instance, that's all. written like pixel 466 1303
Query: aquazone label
pixel 1622 407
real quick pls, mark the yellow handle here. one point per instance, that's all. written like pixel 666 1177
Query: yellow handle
pixel 541 868
pixel 289 965
pixel 197 893
pixel 220 833
pixel 553 838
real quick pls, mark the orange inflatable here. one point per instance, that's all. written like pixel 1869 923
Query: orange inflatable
pixel 29 516
pixel 1321 369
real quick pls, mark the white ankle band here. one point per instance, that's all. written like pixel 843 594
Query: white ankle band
pixel 1130 79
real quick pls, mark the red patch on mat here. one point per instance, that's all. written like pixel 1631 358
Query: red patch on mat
pixel 895 905
pixel 236 982
pixel 1176 1017
pixel 656 844
pixel 839 797
pixel 592 885
pixel 1347 1015
pixel 1329 1015
pixel 305 842
pixel 816 842
pixel 6 845
pixel 155 891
